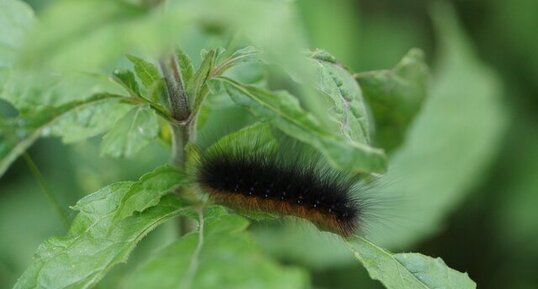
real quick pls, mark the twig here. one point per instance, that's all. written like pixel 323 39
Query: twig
pixel 41 182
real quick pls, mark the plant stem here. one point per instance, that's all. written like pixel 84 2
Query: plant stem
pixel 180 112
pixel 179 139
pixel 179 107
pixel 41 182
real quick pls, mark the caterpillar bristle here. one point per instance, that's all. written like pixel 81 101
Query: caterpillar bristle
pixel 270 182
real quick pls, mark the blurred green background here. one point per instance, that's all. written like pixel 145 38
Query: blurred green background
pixel 491 234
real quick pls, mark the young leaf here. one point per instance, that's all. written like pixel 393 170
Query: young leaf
pixel 146 71
pixel 245 54
pixel 220 254
pixel 126 78
pixel 185 65
pixel 348 109
pixel 284 112
pixel 96 242
pixel 408 270
pixel 131 133
pixel 20 133
pixel 395 96
pixel 197 89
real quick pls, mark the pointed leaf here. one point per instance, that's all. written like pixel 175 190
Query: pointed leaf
pixel 408 270
pixel 146 71
pixel 185 65
pixel 126 78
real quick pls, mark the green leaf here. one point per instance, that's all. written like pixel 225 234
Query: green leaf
pixel 395 96
pixel 131 133
pixel 284 112
pixel 220 254
pixel 149 189
pixel 19 134
pixel 348 109
pixel 260 132
pixel 87 121
pixel 146 71
pixel 95 242
pixel 185 65
pixel 450 144
pixel 126 78
pixel 408 270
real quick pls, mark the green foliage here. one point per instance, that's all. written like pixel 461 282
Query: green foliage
pixel 220 254
pixel 284 112
pixel 75 121
pixel 346 116
pixel 442 143
pixel 97 241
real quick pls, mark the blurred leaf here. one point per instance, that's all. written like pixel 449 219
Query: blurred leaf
pixel 285 113
pixel 95 241
pixel 220 254
pixel 131 133
pixel 126 78
pixel 185 65
pixel 347 104
pixel 146 71
pixel 90 34
pixel 20 133
pixel 395 97
pixel 30 91
pixel 450 145
pixel 339 35
pixel 16 18
pixel 408 270
pixel 148 190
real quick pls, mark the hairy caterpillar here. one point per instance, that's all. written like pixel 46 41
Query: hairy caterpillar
pixel 282 182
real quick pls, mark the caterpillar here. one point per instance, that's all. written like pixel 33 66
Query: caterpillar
pixel 279 182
